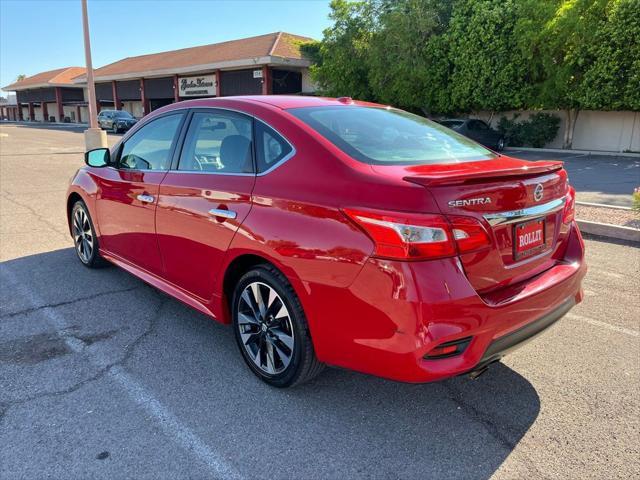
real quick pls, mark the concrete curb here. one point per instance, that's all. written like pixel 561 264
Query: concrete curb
pixel 585 152
pixel 603 205
pixel 610 231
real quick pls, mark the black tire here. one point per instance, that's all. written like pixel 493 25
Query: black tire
pixel 500 145
pixel 114 128
pixel 303 364
pixel 92 259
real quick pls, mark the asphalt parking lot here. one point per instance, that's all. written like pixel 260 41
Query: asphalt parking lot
pixel 607 179
pixel 102 376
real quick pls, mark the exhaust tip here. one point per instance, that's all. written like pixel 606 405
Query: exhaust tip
pixel 473 375
pixel 476 373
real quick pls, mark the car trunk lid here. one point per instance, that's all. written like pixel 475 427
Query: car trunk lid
pixel 518 202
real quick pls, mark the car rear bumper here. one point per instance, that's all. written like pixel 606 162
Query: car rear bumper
pixel 510 342
pixel 395 313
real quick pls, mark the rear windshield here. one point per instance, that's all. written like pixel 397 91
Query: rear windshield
pixel 386 136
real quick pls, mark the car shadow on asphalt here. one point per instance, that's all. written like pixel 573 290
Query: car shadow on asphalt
pixel 341 425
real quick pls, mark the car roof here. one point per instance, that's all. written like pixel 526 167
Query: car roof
pixel 284 101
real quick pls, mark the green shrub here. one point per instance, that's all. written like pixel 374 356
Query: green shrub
pixel 636 199
pixel 538 130
pixel 512 130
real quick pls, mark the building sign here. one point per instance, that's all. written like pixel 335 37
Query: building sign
pixel 200 86
pixel 257 74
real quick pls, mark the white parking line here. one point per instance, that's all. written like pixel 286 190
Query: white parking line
pixel 167 421
pixel 599 323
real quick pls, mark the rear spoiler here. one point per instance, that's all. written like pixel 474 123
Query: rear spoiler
pixel 455 177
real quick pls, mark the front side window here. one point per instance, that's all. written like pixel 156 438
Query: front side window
pixel 150 147
pixel 218 142
pixel 387 136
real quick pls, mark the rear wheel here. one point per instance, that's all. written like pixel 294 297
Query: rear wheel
pixel 271 329
pixel 500 145
pixel 84 236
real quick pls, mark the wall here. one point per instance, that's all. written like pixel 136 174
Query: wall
pixel 134 108
pixel 52 111
pixel 70 111
pixel 240 82
pixel 84 112
pixel 37 112
pixel 308 85
pixel 594 130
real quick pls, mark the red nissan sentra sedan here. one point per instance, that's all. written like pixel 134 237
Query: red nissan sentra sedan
pixel 328 231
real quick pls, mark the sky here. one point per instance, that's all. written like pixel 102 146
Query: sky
pixel 36 36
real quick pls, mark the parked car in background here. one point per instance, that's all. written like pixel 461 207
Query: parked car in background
pixel 116 120
pixel 328 231
pixel 476 130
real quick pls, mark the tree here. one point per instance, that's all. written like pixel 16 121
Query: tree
pixel 342 68
pixel 408 64
pixel 463 55
pixel 612 78
pixel 489 71
pixel 563 42
pixel 20 77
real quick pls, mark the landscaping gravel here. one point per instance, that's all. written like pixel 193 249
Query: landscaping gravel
pixel 613 216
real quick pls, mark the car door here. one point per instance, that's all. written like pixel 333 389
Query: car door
pixel 127 194
pixel 205 198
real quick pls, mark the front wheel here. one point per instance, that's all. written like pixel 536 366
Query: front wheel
pixel 114 128
pixel 500 145
pixel 271 329
pixel 84 237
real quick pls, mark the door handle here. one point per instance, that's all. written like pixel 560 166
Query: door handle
pixel 146 198
pixel 220 213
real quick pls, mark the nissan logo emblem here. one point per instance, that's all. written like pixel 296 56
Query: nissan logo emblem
pixel 538 192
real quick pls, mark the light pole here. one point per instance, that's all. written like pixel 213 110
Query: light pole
pixel 94 137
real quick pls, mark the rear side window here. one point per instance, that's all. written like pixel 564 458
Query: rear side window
pixel 271 148
pixel 386 136
pixel 218 142
pixel 150 147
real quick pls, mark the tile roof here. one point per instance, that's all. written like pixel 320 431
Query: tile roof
pixel 279 44
pixel 58 77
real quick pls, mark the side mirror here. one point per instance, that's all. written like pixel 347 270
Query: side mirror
pixel 100 157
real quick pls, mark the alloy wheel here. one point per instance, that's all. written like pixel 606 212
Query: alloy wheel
pixel 82 235
pixel 265 328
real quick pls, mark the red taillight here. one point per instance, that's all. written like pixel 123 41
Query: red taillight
pixel 569 212
pixel 407 236
pixel 469 234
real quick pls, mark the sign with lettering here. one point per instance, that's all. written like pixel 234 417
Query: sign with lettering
pixel 200 86
pixel 257 74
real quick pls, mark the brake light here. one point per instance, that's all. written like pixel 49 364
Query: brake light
pixel 469 234
pixel 406 236
pixel 569 212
